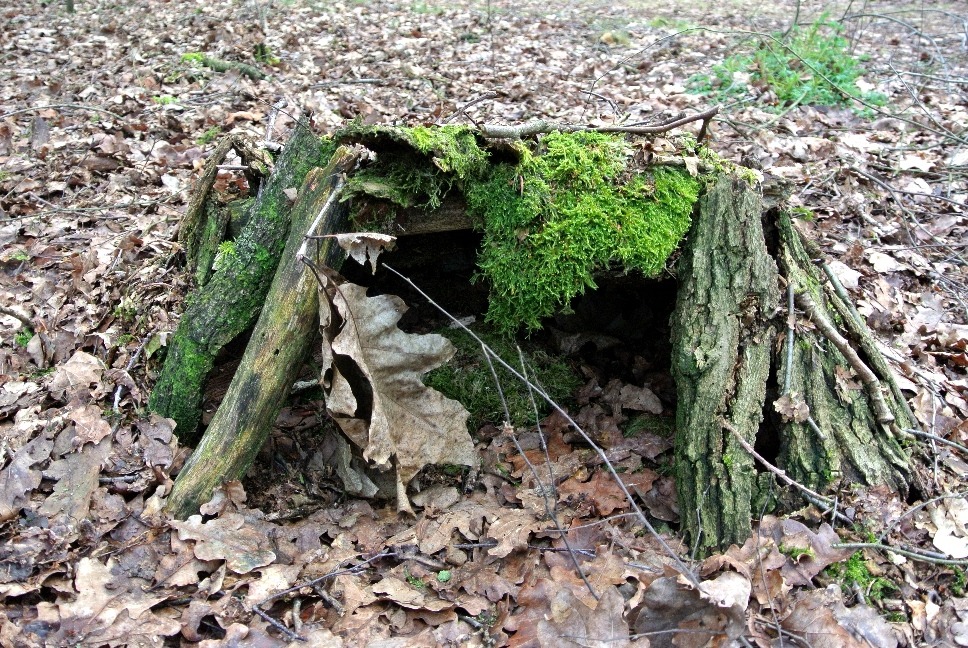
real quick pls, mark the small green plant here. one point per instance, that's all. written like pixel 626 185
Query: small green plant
pixel 22 339
pixel 226 252
pixel 164 100
pixel 796 553
pixel 415 581
pixel 853 571
pixel 812 65
pixel 125 310
pixel 209 136
pixel 193 57
pixel 263 54
pixel 443 576
pixel 960 586
pixel 20 256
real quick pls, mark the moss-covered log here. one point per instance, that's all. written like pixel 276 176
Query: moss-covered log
pixel 230 302
pixel 722 340
pixel 276 351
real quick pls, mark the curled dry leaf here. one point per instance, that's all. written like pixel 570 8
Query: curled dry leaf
pixel 371 373
pixel 363 246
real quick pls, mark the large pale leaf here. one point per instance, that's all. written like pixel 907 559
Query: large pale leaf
pixel 372 376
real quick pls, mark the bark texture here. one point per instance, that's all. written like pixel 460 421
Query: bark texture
pixel 735 356
pixel 276 351
pixel 231 300
pixel 722 335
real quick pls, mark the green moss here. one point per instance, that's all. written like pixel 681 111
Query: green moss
pixel 796 553
pixel 420 173
pixel 467 378
pixel 553 212
pixel 565 211
pixel 853 571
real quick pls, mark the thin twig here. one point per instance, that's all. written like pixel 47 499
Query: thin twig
pixel 934 437
pixel 549 507
pixel 907 553
pixel 811 496
pixel 74 106
pixel 23 319
pixel 683 568
pixel 538 126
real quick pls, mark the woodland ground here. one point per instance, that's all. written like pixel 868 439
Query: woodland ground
pixel 103 127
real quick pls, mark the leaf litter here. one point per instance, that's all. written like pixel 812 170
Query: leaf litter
pixel 104 123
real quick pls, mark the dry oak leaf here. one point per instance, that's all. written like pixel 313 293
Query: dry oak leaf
pixel 19 477
pixel 408 596
pixel 103 598
pixel 372 370
pixel 231 538
pixel 821 619
pixel 363 246
pixel 77 374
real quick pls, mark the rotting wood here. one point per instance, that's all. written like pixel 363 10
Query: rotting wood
pixel 231 300
pixel 275 353
pixel 204 224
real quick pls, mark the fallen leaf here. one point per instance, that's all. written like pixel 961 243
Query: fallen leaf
pixel 363 246
pixel 375 393
pixel 230 538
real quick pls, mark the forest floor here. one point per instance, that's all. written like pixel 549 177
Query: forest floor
pixel 104 125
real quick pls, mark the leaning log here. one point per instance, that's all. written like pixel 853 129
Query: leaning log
pixel 231 300
pixel 276 351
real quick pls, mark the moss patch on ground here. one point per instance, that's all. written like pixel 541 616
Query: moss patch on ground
pixel 468 378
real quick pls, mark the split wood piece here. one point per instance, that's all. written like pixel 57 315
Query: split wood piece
pixel 231 300
pixel 722 338
pixel 276 351
pixel 867 376
pixel 845 398
pixel 204 224
pixel 725 362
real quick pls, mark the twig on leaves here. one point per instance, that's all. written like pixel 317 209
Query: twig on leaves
pixel 463 109
pixel 17 315
pixel 913 554
pixel 935 437
pixel 292 636
pixel 640 515
pixel 128 368
pixel 548 504
pixel 881 410
pixel 52 106
pixel 258 608
pixel 914 509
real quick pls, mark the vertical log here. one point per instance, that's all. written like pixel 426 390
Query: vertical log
pixel 275 353
pixel 722 340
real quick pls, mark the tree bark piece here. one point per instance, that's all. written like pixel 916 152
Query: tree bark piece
pixel 850 397
pixel 722 337
pixel 230 302
pixel 276 351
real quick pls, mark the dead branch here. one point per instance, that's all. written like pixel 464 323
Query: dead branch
pixel 538 126
pixel 882 411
